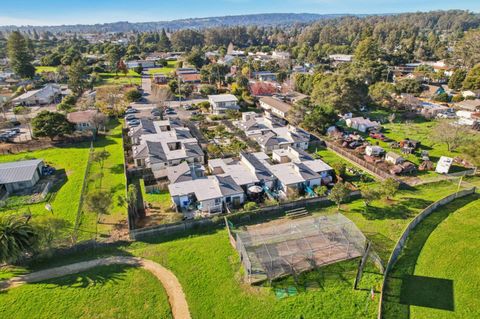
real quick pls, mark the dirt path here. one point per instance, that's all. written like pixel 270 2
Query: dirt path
pixel 171 284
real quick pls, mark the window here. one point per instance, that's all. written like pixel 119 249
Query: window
pixel 217 201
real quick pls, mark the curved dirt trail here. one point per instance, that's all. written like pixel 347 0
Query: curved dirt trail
pixel 172 286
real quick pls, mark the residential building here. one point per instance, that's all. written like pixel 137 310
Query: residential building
pixel 208 194
pixel 223 102
pixel 281 55
pixel 158 145
pixel 84 120
pixel 143 63
pixel 271 132
pixel 276 106
pixel 265 76
pixel 394 158
pixel 469 105
pixel 46 95
pixel 20 175
pixel 362 124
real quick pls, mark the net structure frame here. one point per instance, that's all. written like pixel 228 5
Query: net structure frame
pixel 291 246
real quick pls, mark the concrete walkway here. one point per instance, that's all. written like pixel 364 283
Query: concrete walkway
pixel 171 284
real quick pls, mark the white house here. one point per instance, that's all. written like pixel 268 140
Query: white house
pixel 362 124
pixel 46 95
pixel 143 63
pixel 223 102
pixel 394 158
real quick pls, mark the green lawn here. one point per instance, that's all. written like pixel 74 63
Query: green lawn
pixel 163 198
pixel 164 70
pixel 42 69
pixel 71 161
pixel 437 276
pixel 132 77
pixel 209 270
pixel 110 179
pixel 105 292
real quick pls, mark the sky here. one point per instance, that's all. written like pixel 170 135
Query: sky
pixel 57 12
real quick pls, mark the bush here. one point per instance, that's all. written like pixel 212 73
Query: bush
pixel 457 98
pixel 249 206
pixel 133 95
pixel 208 89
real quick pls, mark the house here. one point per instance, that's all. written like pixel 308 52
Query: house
pixel 185 172
pixel 83 120
pixel 276 106
pixel 208 194
pixel 158 145
pixel 362 124
pixel 137 63
pixel 271 132
pixel 374 150
pixel 471 94
pixel 20 175
pixel 394 158
pixel 469 105
pixel 430 91
pixel 265 76
pixel 223 102
pixel 192 78
pixel 46 95
pixel 281 55
pixel 295 171
pixel 340 58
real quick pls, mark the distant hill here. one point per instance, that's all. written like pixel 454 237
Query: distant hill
pixel 267 19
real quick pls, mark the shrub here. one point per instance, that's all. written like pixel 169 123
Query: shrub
pixel 133 95
pixel 249 206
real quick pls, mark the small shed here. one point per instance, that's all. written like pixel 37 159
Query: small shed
pixel 394 158
pixel 374 150
pixel 444 164
pixel 16 176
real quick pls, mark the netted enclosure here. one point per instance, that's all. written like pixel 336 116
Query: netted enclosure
pixel 291 246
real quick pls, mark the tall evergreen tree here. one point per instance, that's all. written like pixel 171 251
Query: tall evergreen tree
pixel 19 55
pixel 76 76
pixel 164 43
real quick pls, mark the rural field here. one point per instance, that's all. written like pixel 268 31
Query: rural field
pixel 437 275
pixel 105 292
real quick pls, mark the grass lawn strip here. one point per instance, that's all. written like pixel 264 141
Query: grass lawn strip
pixel 116 291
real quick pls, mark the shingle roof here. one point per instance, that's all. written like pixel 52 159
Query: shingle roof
pixel 276 104
pixel 20 171
pixel 156 153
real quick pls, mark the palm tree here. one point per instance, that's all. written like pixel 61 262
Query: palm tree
pixel 16 238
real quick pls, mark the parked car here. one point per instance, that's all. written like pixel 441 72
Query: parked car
pixel 130 117
pixel 131 111
pixel 378 135
pixel 133 123
pixel 170 112
pixel 157 113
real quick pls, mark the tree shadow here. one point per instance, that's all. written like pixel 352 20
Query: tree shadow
pixel 117 169
pixel 418 203
pixel 427 292
pixel 395 211
pixel 401 281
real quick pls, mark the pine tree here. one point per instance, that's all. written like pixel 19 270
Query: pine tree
pixel 19 55
pixel 76 76
pixel 164 42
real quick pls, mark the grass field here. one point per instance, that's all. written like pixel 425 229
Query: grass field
pixel 70 160
pixel 105 292
pixel 164 70
pixel 209 269
pixel 437 275
pixel 109 178
pixel 42 69
pixel 132 77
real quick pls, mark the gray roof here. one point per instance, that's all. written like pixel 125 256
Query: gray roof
pixel 306 172
pixel 261 171
pixel 193 149
pixel 228 186
pixel 156 153
pixel 20 171
pixel 180 173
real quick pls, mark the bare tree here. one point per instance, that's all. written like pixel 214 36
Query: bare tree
pixel 451 134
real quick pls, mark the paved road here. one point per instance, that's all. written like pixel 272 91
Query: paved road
pixel 172 286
